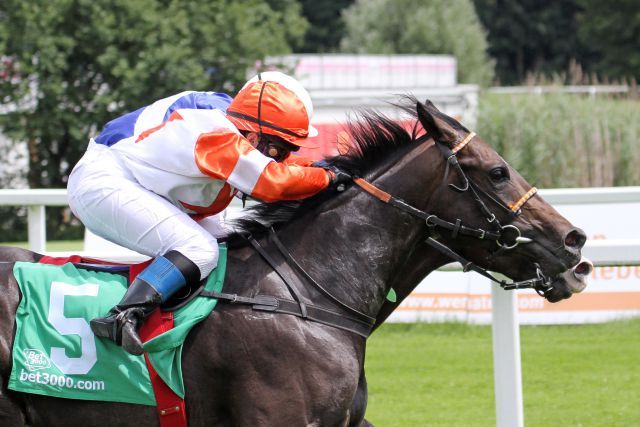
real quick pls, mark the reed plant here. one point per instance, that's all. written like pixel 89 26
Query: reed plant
pixel 565 140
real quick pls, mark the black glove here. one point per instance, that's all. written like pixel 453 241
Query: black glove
pixel 339 178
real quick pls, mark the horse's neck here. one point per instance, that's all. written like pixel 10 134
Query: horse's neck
pixel 358 245
pixel 410 275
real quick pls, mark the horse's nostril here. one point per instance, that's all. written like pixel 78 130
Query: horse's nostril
pixel 575 239
pixel 584 268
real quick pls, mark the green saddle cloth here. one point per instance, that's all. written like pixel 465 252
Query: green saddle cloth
pixel 56 354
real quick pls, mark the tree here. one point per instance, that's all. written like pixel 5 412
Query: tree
pixel 531 36
pixel 612 31
pixel 419 27
pixel 326 25
pixel 69 66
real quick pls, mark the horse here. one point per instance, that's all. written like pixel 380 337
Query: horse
pixel 422 197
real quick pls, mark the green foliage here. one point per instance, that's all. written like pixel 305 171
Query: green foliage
pixel 612 31
pixel 419 27
pixel 326 25
pixel 548 37
pixel 55 246
pixel 565 140
pixel 442 375
pixel 530 36
pixel 75 64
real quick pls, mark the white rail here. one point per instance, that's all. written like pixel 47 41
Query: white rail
pixel 37 199
pixel 505 324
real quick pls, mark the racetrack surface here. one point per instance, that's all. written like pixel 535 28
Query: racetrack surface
pixel 442 375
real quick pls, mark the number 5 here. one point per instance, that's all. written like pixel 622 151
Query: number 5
pixel 72 326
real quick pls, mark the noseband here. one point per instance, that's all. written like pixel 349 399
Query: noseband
pixel 507 236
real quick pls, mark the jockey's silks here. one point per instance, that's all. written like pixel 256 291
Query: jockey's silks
pixel 197 159
pixel 145 118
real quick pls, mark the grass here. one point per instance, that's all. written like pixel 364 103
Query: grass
pixel 442 375
pixel 52 246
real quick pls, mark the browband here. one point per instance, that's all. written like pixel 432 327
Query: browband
pixel 464 143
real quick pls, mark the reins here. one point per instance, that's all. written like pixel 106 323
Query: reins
pixel 293 275
pixel 355 321
pixel 499 234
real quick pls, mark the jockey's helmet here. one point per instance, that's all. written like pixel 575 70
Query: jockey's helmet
pixel 276 104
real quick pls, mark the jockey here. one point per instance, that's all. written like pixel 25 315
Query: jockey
pixel 155 179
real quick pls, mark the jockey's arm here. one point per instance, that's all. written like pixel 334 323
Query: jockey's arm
pixel 230 157
pixel 293 159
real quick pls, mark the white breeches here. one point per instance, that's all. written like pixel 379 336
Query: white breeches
pixel 105 196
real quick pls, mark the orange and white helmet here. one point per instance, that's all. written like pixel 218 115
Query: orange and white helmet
pixel 277 104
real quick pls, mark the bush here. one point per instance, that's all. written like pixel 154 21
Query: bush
pixel 419 27
pixel 565 140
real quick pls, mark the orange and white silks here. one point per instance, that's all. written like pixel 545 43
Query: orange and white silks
pixel 145 192
pixel 197 160
pixel 229 157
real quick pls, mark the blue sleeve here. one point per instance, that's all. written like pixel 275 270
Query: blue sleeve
pixel 123 127
pixel 119 128
pixel 201 101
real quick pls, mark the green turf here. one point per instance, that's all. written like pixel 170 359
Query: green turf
pixel 53 246
pixel 442 375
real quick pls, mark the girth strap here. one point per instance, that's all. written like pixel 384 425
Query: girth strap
pixel 312 312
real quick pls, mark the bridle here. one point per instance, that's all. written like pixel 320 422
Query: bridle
pixel 507 237
pixel 294 276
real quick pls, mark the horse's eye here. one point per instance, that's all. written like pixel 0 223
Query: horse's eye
pixel 499 174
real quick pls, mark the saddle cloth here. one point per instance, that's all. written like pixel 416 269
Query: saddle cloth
pixel 56 354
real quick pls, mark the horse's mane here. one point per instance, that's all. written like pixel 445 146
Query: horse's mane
pixel 374 138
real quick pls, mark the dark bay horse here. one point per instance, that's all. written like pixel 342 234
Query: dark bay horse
pixel 246 367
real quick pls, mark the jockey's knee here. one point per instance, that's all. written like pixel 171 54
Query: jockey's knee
pixel 203 252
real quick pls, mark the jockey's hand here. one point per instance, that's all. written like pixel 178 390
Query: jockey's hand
pixel 337 177
pixel 340 179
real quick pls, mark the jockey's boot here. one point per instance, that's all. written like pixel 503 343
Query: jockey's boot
pixel 153 286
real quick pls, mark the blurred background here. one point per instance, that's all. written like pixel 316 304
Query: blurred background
pixel 551 84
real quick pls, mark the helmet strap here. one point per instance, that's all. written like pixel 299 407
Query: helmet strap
pixel 260 107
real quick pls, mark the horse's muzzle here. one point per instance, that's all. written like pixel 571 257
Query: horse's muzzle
pixel 572 281
pixel 576 277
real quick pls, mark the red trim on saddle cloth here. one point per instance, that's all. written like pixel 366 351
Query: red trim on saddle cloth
pixel 170 407
pixel 59 260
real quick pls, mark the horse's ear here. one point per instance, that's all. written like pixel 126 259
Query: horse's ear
pixel 435 126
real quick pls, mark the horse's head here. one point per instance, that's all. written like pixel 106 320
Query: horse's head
pixel 499 222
